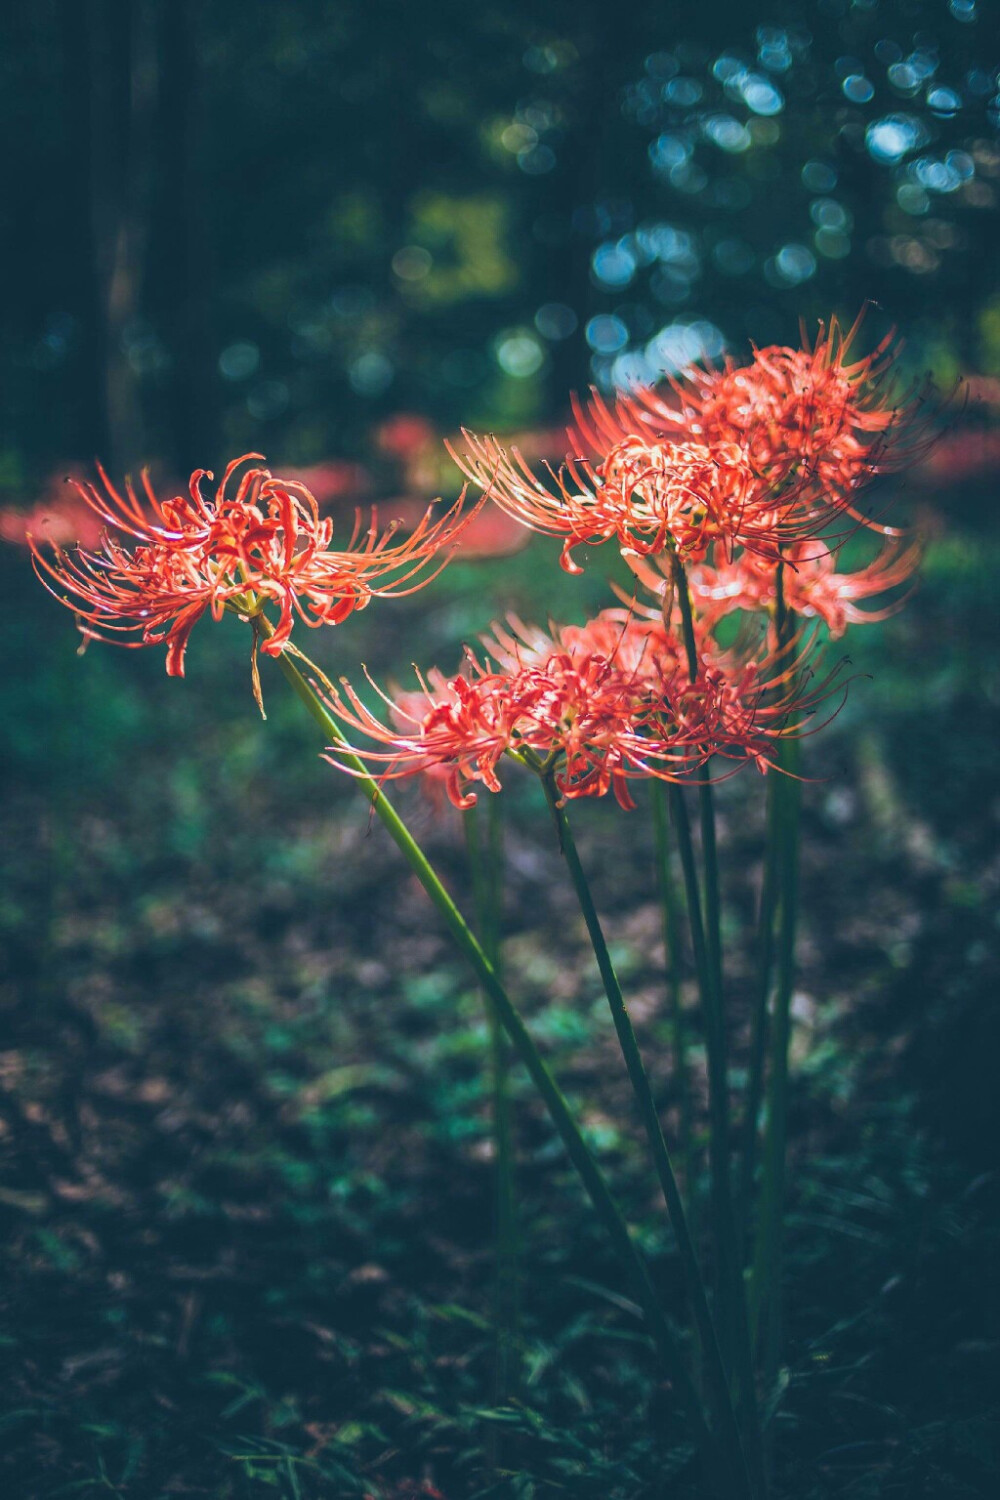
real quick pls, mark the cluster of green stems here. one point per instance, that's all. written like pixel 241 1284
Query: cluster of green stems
pixel 715 1381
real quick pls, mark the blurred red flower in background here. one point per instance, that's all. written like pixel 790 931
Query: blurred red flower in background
pixel 60 517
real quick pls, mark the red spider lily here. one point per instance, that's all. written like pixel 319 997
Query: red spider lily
pixel 814 417
pixel 739 702
pixel 453 730
pixel 649 495
pixel 259 540
pixel 446 709
pixel 595 707
pixel 811 585
pixel 640 648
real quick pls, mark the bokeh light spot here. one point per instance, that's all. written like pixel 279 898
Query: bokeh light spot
pixel 519 354
pixel 944 101
pixel 537 160
pixel 371 374
pixel 726 133
pixel 857 88
pixel 819 177
pixel 682 92
pixel 606 334
pixel 240 360
pixel 890 138
pixel 555 320
pixel 827 213
pixel 681 344
pixel 761 95
pixel 412 263
pixel 613 265
pixel 792 265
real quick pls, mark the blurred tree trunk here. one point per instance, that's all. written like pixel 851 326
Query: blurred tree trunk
pixel 185 273
pixel 74 31
pixel 122 67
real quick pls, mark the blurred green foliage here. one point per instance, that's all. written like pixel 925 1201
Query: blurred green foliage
pixel 236 226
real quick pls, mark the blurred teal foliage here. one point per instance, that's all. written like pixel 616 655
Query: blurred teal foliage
pixel 268 226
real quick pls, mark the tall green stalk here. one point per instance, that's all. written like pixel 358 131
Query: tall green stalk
pixel 708 963
pixel 768 1250
pixel 693 1283
pixel 671 909
pixel 734 1324
pixel 730 1295
pixel 765 1298
pixel 486 865
pixel 759 1022
pixel 718 1132
pixel 706 797
pixel 576 1148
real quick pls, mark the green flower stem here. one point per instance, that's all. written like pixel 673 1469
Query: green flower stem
pixel 767 917
pixel 709 966
pixel 693 1283
pixel 559 1111
pixel 685 847
pixel 730 1297
pixel 759 1022
pixel 486 865
pixel 722 1213
pixel 765 1297
pixel 670 905
pixel 706 799
pixel 733 1316
pixel 768 1256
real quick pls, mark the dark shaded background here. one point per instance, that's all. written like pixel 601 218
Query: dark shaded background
pixel 235 223
pixel 245 1179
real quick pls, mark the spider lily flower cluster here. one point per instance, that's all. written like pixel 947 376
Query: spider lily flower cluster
pixel 595 708
pixel 731 492
pixel 811 414
pixel 739 475
pixel 750 459
pixel 643 493
pixel 811 584
pixel 728 495
pixel 259 540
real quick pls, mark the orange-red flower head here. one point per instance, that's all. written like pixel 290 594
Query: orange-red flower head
pixel 816 418
pixel 594 707
pixel 812 584
pixel 649 494
pixel 258 540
